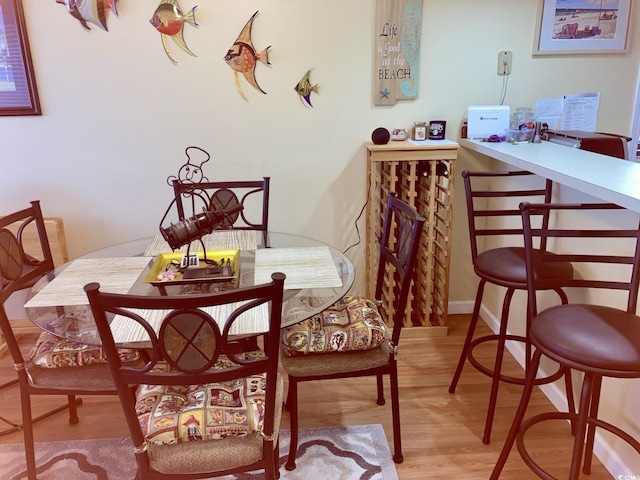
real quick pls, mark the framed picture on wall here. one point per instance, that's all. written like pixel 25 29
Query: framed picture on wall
pixel 18 92
pixel 581 27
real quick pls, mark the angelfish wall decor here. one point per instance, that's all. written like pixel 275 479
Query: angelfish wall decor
pixel 242 58
pixel 91 11
pixel 304 88
pixel 169 20
pixel 397 50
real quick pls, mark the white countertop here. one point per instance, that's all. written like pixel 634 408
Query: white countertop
pixel 608 178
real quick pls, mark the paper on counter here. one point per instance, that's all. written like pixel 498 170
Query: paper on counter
pixel 115 275
pixel 311 267
pixel 580 111
pixel 549 111
pixel 570 112
pixel 216 240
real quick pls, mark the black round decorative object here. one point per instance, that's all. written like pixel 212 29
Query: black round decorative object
pixel 380 136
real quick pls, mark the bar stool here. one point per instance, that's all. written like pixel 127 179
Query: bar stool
pixel 598 340
pixel 493 197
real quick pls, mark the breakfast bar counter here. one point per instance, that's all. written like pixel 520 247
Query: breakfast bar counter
pixel 607 178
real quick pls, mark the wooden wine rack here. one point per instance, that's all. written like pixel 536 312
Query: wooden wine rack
pixel 422 176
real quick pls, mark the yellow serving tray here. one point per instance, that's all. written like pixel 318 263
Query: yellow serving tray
pixel 204 273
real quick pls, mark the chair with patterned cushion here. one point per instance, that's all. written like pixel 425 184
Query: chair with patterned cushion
pixel 597 333
pixel 55 366
pixel 203 407
pixel 493 217
pixel 352 339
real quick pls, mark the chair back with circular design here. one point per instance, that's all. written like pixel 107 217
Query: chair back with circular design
pixel 204 406
pixel 252 195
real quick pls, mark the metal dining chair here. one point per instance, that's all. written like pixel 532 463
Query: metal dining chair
pixel 353 338
pixel 55 366
pixel 202 407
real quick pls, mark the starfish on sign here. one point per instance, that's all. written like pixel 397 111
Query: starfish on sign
pixel 384 93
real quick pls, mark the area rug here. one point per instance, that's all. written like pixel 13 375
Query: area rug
pixel 338 453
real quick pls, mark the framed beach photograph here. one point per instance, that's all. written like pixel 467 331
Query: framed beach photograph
pixel 581 27
pixel 18 92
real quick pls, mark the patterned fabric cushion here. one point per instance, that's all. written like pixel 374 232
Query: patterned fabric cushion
pixel 178 414
pixel 352 323
pixel 51 351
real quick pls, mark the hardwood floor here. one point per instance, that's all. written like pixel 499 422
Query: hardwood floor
pixel 441 432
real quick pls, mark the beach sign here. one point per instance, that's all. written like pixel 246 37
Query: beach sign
pixel 397 50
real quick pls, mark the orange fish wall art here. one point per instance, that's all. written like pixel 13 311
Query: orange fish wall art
pixel 169 20
pixel 243 58
pixel 91 11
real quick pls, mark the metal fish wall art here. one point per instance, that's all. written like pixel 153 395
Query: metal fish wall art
pixel 91 11
pixel 304 88
pixel 243 58
pixel 169 20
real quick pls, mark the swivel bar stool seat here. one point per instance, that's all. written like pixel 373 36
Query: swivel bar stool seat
pixel 597 340
pixel 493 198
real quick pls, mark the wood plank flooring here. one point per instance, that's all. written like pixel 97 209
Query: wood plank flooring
pixel 441 432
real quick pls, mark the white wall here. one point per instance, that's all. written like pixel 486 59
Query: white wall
pixel 118 115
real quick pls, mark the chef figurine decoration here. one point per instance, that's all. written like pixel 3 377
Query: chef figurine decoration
pixel 191 172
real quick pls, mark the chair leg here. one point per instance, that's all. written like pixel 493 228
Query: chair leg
pixel 519 417
pixel 497 367
pixel 469 338
pixel 571 401
pixel 581 425
pixel 380 385
pixel 395 414
pixel 27 428
pixel 271 470
pixel 591 433
pixel 73 410
pixel 292 403
pixel 276 457
pixel 27 432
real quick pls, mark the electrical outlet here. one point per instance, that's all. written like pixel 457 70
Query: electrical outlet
pixel 504 63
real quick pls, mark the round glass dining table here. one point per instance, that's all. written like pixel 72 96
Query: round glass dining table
pixel 74 320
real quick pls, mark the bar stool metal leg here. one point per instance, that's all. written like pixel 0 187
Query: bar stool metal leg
pixel 496 372
pixel 472 328
pixel 497 368
pixel 519 417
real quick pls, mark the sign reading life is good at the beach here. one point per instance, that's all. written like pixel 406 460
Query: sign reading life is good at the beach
pixel 397 50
